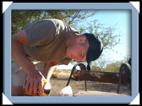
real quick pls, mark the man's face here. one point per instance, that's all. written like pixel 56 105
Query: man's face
pixel 78 51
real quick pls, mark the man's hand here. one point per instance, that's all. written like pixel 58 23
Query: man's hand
pixel 34 83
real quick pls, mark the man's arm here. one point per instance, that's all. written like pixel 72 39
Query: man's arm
pixel 50 67
pixel 34 79
pixel 18 54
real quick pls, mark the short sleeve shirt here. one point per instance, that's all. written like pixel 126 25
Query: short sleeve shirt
pixel 47 39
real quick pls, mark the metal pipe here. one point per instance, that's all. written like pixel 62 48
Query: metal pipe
pixel 83 67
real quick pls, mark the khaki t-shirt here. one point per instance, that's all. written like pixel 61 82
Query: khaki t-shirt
pixel 47 40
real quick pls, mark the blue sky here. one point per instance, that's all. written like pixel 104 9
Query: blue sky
pixel 121 21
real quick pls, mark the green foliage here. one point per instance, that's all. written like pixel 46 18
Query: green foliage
pixel 21 18
pixel 113 67
pixel 95 68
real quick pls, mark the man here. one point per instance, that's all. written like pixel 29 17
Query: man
pixel 52 42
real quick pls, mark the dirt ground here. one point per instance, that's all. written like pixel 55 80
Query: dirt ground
pixel 58 84
pixel 60 79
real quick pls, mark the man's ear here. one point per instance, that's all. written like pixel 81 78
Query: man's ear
pixel 81 39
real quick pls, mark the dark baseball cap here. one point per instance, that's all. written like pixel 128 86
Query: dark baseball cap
pixel 95 48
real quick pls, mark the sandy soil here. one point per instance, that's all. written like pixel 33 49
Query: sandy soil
pixel 58 84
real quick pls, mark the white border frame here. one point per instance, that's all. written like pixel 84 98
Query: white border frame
pixel 8 6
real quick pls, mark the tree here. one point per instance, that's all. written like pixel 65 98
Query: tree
pixel 106 34
pixel 113 67
pixel 21 18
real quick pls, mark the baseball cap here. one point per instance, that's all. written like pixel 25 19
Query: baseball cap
pixel 95 48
